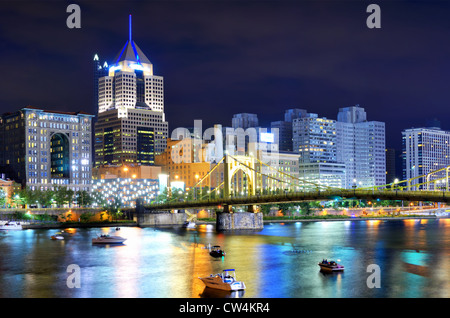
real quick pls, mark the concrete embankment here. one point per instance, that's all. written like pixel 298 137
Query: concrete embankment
pixel 66 225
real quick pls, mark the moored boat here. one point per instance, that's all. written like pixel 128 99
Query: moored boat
pixel 57 236
pixel 224 281
pixel 330 266
pixel 217 252
pixel 108 239
pixel 11 225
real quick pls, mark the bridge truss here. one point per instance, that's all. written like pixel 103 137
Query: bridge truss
pixel 246 180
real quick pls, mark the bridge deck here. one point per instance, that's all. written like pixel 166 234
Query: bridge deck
pixel 433 196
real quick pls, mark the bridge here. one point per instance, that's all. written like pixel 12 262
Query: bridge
pixel 248 181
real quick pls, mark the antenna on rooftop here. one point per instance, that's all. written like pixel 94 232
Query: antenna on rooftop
pixel 129 30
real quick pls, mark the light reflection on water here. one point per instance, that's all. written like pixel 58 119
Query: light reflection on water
pixel 278 261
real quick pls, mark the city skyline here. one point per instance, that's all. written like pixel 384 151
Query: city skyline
pixel 224 58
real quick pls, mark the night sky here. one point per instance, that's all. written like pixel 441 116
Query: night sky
pixel 224 57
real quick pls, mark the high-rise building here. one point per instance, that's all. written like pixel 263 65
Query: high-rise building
pixel 361 147
pixel 244 121
pixel 314 139
pixel 131 125
pixel 284 128
pixel 99 70
pixel 425 150
pixel 43 149
pixel 391 171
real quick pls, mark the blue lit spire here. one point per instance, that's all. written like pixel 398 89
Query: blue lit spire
pixel 130 51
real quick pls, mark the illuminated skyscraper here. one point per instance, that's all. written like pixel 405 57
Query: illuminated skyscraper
pixel 99 70
pixel 131 125
pixel 361 147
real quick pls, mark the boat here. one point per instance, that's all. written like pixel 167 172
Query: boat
pixel 217 252
pixel 11 225
pixel 108 239
pixel 224 281
pixel 57 236
pixel 330 266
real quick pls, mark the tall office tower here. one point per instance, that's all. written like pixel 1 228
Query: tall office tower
pixel 244 121
pixel 99 70
pixel 425 150
pixel 131 126
pixel 361 146
pixel 43 149
pixel 314 139
pixel 284 136
pixel 391 171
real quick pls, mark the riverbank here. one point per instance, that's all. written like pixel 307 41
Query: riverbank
pixel 367 218
pixel 65 225
pixel 331 218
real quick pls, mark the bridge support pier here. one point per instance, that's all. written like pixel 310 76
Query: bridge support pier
pixel 228 221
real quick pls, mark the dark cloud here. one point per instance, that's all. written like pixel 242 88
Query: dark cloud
pixel 224 57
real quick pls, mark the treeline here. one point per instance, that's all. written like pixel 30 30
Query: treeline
pixel 60 197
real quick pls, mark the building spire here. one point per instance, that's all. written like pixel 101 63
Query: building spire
pixel 129 30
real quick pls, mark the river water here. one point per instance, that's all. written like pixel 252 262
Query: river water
pixel 411 257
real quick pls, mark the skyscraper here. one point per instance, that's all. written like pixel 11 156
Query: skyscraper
pixel 285 128
pixel 314 139
pixel 131 126
pixel 361 147
pixel 244 121
pixel 99 70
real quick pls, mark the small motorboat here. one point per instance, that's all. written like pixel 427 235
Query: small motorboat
pixel 57 236
pixel 330 266
pixel 217 252
pixel 11 225
pixel 108 239
pixel 225 281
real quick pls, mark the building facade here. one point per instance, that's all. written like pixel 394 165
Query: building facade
pixel 315 140
pixel 43 149
pixel 361 147
pixel 425 150
pixel 179 162
pixel 244 121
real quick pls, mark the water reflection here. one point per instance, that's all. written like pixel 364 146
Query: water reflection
pixel 279 261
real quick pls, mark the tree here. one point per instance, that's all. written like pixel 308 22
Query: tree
pixel 305 207
pixel 27 196
pixel 113 207
pixel 83 198
pixel 44 198
pixel 63 195
pixel 2 197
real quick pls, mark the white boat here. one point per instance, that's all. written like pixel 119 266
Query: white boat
pixel 11 225
pixel 330 266
pixel 108 239
pixel 225 281
pixel 57 236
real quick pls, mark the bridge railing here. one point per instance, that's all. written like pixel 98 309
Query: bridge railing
pixel 318 195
